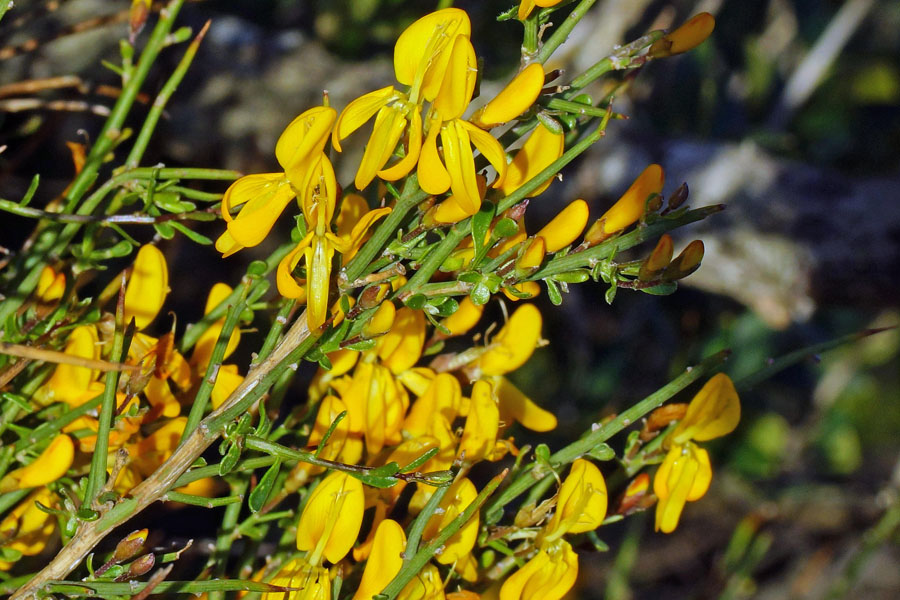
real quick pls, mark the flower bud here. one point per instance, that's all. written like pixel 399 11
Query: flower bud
pixel 629 208
pixel 658 260
pixel 566 226
pixel 687 37
pixel 517 97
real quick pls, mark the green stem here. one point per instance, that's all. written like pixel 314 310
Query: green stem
pixel 156 111
pixel 105 589
pixel 218 559
pixel 530 477
pixel 412 567
pixel 249 464
pixel 409 198
pixel 642 233
pixel 97 474
pixel 201 399
pixel 201 500
pixel 561 33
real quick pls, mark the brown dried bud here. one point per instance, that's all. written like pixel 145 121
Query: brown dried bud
pixel 130 545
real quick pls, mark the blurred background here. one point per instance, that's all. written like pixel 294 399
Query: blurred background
pixel 789 114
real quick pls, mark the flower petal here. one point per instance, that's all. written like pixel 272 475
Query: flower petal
pixel 287 285
pixel 461 165
pixel 389 126
pixel 490 148
pixel 358 112
pixel 305 137
pixel 517 97
pixel 540 150
pixel 433 176
pixel 421 50
pixel 405 165
pixel 148 286
pixel 566 226
pixel 264 198
pixel 458 82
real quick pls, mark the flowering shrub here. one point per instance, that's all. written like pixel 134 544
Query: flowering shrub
pixel 368 488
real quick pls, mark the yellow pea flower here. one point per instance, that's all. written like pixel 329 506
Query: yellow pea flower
pixel 687 37
pixel 331 519
pixel 580 503
pixel 309 582
pixel 442 398
pixel 455 501
pixel 26 528
pixel 401 347
pixel 457 136
pixel 629 208
pixel 684 475
pixel 384 560
pixel 530 289
pixel 421 56
pixel 147 287
pixel 482 423
pixel 318 247
pixel 516 406
pixel 381 321
pixel 427 585
pixel 517 97
pixel 565 227
pixel 713 412
pixel 465 318
pixel 537 153
pixel 69 382
pixel 514 344
pixel 156 448
pixel 526 6
pixel 341 446
pixel 341 362
pixel 51 285
pixel 532 254
pixel 49 466
pixel 227 380
pixel 264 196
pixel 548 576
pixel 204 348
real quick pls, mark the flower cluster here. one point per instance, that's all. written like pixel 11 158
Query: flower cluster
pixel 390 293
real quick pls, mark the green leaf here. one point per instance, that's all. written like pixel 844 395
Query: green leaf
pixel 663 289
pixel 164 230
pixel 611 293
pixel 260 494
pixel 363 345
pixel 602 452
pixel 553 292
pixel 416 301
pixel 480 294
pixel 197 238
pixel 505 228
pixel 576 276
pixel 329 433
pixel 481 222
pixel 232 455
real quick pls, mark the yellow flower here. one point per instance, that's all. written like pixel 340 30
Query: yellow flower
pixel 629 208
pixel 713 412
pixel 51 286
pixel 547 576
pixel 441 398
pixel 482 424
pixel 331 519
pixel 311 582
pixel 465 318
pixel 517 97
pixel 684 475
pixel 526 6
pixel 341 446
pixel 384 560
pixel 204 347
pixel 49 466
pixel 421 56
pixel 537 153
pixel 455 501
pixel 514 344
pixel 318 247
pixel 457 136
pixel 580 503
pixel 264 196
pixel 517 407
pixel 427 585
pixel 147 287
pixel 156 448
pixel 28 529
pixel 687 37
pixel 565 226
pixel 69 382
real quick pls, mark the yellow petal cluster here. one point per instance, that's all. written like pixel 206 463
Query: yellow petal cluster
pixel 685 473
